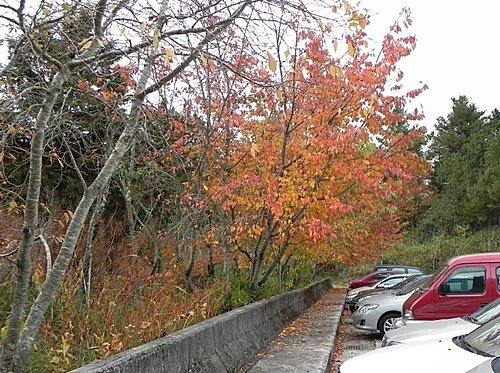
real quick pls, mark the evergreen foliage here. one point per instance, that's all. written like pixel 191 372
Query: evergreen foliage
pixel 465 153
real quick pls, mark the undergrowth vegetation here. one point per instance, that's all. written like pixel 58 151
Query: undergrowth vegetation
pixel 127 305
pixel 428 255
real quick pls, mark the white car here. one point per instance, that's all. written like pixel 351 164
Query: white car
pixel 385 283
pixel 447 355
pixel 446 328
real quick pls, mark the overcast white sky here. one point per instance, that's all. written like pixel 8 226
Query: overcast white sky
pixel 458 50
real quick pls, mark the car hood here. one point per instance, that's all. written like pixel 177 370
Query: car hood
pixel 435 356
pixel 357 290
pixel 385 298
pixel 431 330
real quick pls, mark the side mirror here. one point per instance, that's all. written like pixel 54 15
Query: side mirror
pixel 443 289
pixel 495 365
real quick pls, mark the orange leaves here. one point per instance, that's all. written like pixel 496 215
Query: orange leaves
pixel 271 62
pixel 351 50
pixel 254 150
pixel 335 71
pixel 318 159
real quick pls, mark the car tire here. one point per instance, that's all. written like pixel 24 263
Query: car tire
pixel 386 322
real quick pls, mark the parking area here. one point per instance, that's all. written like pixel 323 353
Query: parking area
pixel 352 342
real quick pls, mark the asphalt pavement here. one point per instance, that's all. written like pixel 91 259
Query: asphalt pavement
pixel 352 342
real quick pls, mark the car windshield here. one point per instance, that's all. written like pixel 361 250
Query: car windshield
pixel 431 279
pixel 408 288
pixel 485 314
pixel 405 282
pixel 485 340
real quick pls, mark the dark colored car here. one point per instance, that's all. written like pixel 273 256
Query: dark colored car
pixel 411 282
pixel 398 268
pixel 370 279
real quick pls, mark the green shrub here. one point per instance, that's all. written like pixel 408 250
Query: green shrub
pixel 428 255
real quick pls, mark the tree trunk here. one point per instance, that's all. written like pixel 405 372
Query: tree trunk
pixel 277 259
pixel 87 256
pixel 189 269
pixel 134 250
pixel 226 269
pixel 9 358
pixel 258 260
pixel 211 264
pixel 49 288
pixel 156 262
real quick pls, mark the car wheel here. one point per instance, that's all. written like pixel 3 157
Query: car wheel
pixel 387 321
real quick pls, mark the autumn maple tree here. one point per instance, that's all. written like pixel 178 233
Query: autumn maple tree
pixel 311 161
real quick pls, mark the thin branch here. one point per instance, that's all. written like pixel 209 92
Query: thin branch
pixel 5 255
pixel 48 257
pixel 73 161
pixel 99 14
pixel 195 53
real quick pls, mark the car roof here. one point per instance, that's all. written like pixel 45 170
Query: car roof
pixel 379 272
pixel 374 273
pixel 476 258
pixel 397 274
pixel 394 266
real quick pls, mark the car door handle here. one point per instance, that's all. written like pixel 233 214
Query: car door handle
pixel 482 305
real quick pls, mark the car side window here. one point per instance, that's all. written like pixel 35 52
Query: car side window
pixel 466 280
pixel 380 276
pixel 498 278
pixel 399 270
pixel 413 271
pixel 391 281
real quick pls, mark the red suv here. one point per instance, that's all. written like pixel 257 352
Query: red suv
pixel 371 279
pixel 461 287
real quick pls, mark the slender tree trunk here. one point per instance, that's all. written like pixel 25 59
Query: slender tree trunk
pixel 276 261
pixel 284 268
pixel 226 269
pixel 189 269
pixel 48 255
pixel 258 260
pixel 49 288
pixel 211 264
pixel 149 227
pixel 134 250
pixel 156 262
pixel 9 358
pixel 87 256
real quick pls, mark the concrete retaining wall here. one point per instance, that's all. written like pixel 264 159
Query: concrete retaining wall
pixel 221 344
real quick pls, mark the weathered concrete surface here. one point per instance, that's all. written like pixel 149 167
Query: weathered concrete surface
pixel 306 344
pixel 220 344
